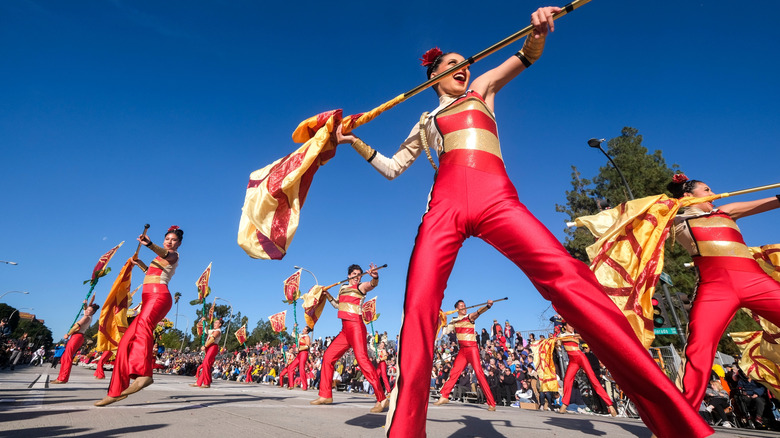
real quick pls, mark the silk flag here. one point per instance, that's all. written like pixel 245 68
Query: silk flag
pixel 545 366
pixel 275 194
pixel 368 309
pixel 292 288
pixel 113 316
pixel 277 321
pixel 203 283
pixel 100 268
pixel 211 313
pixel 754 361
pixel 628 256
pixel 241 335
pixel 313 303
pixel 199 327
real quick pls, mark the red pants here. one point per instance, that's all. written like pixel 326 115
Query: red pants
pixel 300 362
pixel 467 202
pixel 74 344
pixel 718 296
pixel 468 355
pixel 249 374
pixel 134 356
pixel 578 360
pixel 381 369
pixel 353 334
pixel 207 367
pixel 105 357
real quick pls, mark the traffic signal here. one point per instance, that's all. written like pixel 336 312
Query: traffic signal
pixel 660 318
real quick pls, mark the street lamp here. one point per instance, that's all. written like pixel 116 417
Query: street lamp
pixel 184 335
pixel 596 144
pixel 8 263
pixel 14 292
pixel 16 310
pixel 312 273
pixel 229 318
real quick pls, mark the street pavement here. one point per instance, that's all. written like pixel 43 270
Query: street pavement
pixel 30 408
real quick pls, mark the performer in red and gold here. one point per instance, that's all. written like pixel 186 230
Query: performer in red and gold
pixel 134 356
pixel 381 366
pixel 300 361
pixel 468 353
pixel 570 341
pixel 353 334
pixel 75 338
pixel 211 347
pixel 473 196
pixel 729 277
pixel 100 373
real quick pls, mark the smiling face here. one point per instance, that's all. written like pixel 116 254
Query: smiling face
pixel 457 83
pixel 171 242
pixel 354 277
pixel 701 190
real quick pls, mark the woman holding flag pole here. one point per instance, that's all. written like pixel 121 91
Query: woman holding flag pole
pixel 473 196
pixel 211 347
pixel 134 357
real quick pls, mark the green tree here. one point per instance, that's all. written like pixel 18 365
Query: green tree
pixel 263 332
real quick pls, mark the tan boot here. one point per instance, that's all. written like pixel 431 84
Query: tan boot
pixel 562 410
pixel 138 384
pixel 380 406
pixel 441 401
pixel 491 408
pixel 57 382
pixel 612 411
pixel 194 385
pixel 108 400
pixel 321 401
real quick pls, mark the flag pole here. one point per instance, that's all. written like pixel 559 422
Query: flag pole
pixel 752 190
pixel 350 123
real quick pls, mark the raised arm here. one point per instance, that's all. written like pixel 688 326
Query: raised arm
pixel 389 167
pixel 741 209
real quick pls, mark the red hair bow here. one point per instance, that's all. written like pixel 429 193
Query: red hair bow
pixel 679 178
pixel 431 56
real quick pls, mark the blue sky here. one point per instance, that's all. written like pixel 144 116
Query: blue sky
pixel 115 114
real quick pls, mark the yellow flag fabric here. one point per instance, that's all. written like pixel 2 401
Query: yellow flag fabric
pixel 545 366
pixel 241 335
pixel 628 256
pixel 113 316
pixel 313 303
pixel 756 361
pixel 292 287
pixel 277 321
pixel 100 268
pixel 203 283
pixel 276 193
pixel 369 311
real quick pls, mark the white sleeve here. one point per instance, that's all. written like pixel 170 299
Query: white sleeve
pixel 391 167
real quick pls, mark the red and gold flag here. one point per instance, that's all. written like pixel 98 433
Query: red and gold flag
pixel 276 193
pixel 292 287
pixel 113 316
pixel 628 256
pixel 211 313
pixel 241 335
pixel 759 358
pixel 544 364
pixel 313 303
pixel 203 283
pixel 101 268
pixel 199 327
pixel 369 311
pixel 277 321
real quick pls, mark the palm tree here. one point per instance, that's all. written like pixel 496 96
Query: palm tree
pixel 176 297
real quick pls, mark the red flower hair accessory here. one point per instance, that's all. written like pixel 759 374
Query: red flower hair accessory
pixel 173 228
pixel 679 178
pixel 431 56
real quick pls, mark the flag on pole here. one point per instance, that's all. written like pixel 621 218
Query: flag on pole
pixel 544 364
pixel 313 303
pixel 241 335
pixel 113 316
pixel 203 283
pixel 199 327
pixel 369 311
pixel 276 193
pixel 292 288
pixel 759 358
pixel 277 321
pixel 211 313
pixel 100 268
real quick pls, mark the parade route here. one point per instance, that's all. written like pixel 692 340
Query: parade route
pixel 30 407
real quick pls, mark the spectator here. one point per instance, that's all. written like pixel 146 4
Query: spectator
pixel 509 334
pixel 752 395
pixel 525 394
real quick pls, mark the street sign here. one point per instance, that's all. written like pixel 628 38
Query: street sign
pixel 665 331
pixel 666 278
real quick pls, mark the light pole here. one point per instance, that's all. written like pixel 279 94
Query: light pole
pixel 312 273
pixel 596 144
pixel 8 263
pixel 229 318
pixel 16 310
pixel 14 292
pixel 184 335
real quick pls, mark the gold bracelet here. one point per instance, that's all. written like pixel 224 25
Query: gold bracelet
pixel 374 282
pixel 364 150
pixel 532 50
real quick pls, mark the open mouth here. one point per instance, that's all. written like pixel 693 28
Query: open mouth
pixel 460 77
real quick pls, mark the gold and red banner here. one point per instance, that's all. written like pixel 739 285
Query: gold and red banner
pixel 113 316
pixel 101 269
pixel 277 321
pixel 544 364
pixel 369 311
pixel 203 283
pixel 211 313
pixel 275 194
pixel 292 288
pixel 241 335
pixel 199 327
pixel 759 358
pixel 628 256
pixel 313 303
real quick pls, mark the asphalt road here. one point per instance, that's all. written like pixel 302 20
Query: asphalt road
pixel 30 408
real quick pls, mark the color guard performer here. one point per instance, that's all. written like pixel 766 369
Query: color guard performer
pixel 211 347
pixel 353 334
pixel 134 356
pixel 100 373
pixel 75 338
pixel 468 353
pixel 381 366
pixel 300 361
pixel 729 277
pixel 570 341
pixel 473 196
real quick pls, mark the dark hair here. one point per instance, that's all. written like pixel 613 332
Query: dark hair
pixel 679 189
pixel 458 302
pixel 433 66
pixel 353 267
pixel 177 231
pixel 94 307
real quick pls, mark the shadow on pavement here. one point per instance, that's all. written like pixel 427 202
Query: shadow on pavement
pixel 44 432
pixel 475 426
pixel 368 421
